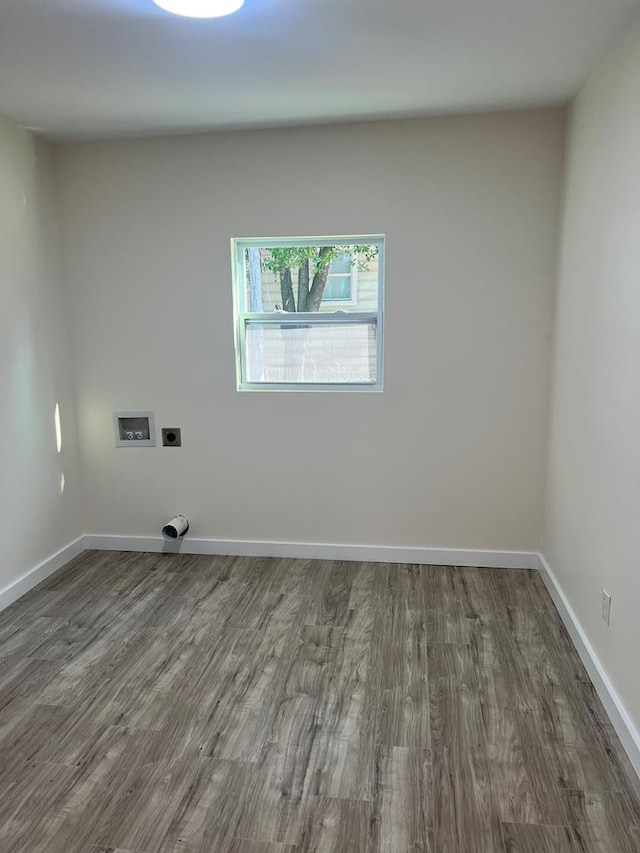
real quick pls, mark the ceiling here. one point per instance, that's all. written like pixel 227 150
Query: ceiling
pixel 104 68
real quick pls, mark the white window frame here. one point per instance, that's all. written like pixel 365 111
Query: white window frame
pixel 241 317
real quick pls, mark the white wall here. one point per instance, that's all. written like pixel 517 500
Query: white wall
pixel 592 522
pixel 36 518
pixel 452 454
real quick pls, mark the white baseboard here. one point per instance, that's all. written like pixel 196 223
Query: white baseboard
pixel 319 551
pixel 47 567
pixel 618 715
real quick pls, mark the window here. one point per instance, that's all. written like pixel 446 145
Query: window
pixel 301 321
pixel 341 280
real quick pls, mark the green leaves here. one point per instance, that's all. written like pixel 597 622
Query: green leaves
pixel 292 257
pixel 286 258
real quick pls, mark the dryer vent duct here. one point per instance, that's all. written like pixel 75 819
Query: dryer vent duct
pixel 176 528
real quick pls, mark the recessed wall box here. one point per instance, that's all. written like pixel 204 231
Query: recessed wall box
pixel 134 429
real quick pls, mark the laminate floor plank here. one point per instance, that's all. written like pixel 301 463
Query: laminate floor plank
pixel 244 845
pixel 536 635
pixel 328 709
pixel 27 732
pixel 94 648
pixel 628 784
pixel 100 669
pixel 520 588
pixel 170 703
pixel 279 794
pixel 550 637
pixel 330 605
pixel 141 682
pixel 209 813
pixel 370 587
pixel 175 806
pixel 199 571
pixel 263 574
pixel 302 577
pixel 404 690
pixel 450 624
pixel 466 817
pixel 212 709
pixel 30 807
pixel 20 637
pixel 49 808
pixel 241 709
pixel 404 805
pixel 221 565
pixel 22 683
pixel 561 735
pixel 531 838
pixel 408 583
pixel 523 779
pixel 475 592
pixel 602 823
pixel 439 585
pixel 23 611
pixel 95 849
pixel 282 576
pixel 338 826
pixel 65 642
pixel 24 676
pixel 88 569
pixel 252 609
pixel 568 734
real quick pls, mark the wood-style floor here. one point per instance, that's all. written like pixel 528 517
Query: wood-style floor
pixel 174 704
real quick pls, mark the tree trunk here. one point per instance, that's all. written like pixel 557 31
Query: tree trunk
pixel 286 289
pixel 303 286
pixel 319 280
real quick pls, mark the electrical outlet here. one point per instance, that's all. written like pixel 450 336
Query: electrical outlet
pixel 606 606
pixel 171 437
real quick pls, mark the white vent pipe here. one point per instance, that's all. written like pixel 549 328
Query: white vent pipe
pixel 176 527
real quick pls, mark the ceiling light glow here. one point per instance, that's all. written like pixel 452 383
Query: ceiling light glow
pixel 200 8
